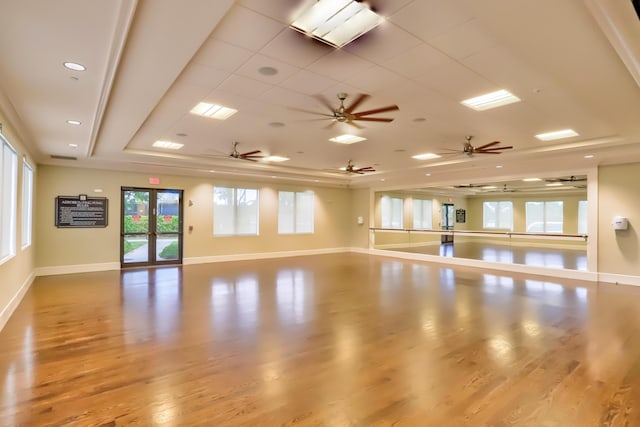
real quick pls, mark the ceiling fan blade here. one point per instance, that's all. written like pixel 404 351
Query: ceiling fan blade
pixel 373 119
pixel 491 144
pixel 330 125
pixel 324 101
pixel 493 149
pixel 377 110
pixel 249 153
pixel 486 152
pixel 357 102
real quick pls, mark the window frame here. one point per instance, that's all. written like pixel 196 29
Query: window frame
pixel 27 204
pixel 422 202
pixel 498 225
pixel 392 218
pixel 235 212
pixel 295 212
pixel 8 200
pixel 545 221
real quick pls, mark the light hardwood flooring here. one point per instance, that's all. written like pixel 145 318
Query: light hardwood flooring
pixel 332 340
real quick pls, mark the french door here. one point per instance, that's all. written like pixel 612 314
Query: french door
pixel 150 227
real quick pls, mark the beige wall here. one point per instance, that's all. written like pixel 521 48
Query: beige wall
pixel 619 194
pixel 60 247
pixel 18 270
pixel 360 206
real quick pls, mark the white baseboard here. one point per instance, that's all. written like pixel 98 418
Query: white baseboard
pixel 515 268
pixel 7 311
pixel 619 279
pixel 261 255
pixel 78 268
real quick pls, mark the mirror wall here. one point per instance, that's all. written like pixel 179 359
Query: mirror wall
pixel 541 222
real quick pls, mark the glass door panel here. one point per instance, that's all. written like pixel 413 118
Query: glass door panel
pixel 151 227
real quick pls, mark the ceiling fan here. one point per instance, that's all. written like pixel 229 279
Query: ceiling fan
pixel 490 148
pixel 252 156
pixel 350 168
pixel 569 179
pixel 348 114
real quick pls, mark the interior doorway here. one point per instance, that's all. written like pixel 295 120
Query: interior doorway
pixel 150 227
pixel 447 221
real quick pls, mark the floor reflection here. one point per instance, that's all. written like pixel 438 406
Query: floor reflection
pixel 570 259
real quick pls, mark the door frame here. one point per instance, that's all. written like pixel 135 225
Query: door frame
pixel 152 234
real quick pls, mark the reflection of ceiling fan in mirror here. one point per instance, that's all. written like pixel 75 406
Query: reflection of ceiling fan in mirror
pixel 490 148
pixel 572 178
pixel 350 168
pixel 348 114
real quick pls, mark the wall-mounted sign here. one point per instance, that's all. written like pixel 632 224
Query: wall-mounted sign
pixel 461 216
pixel 81 211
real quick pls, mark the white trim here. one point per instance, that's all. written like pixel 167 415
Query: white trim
pixel 261 255
pixel 514 268
pixel 77 268
pixel 8 310
pixel 619 279
pixel 408 245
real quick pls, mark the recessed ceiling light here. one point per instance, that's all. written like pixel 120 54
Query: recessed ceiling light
pixel 211 171
pixel 531 179
pixel 275 159
pixel 426 156
pixel 73 145
pixel 316 180
pixel 273 176
pixel 559 134
pixel 489 187
pixel 97 190
pixel 336 22
pixel 168 144
pixel 347 139
pixel 588 156
pixel 74 122
pixel 268 71
pixel 74 66
pixel 381 179
pixel 554 184
pixel 427 174
pixel 498 166
pixel 213 111
pixel 491 100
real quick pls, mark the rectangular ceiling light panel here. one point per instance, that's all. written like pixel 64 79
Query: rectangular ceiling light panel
pixel 213 111
pixel 347 139
pixel 168 144
pixel 337 22
pixel 559 134
pixel 491 100
pixel 426 156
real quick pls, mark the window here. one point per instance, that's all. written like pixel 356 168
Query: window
pixel 8 202
pixel 391 210
pixel 422 214
pixel 544 217
pixel 497 215
pixel 295 212
pixel 27 203
pixel 582 217
pixel 235 211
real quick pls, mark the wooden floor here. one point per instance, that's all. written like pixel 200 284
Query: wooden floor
pixel 332 340
pixel 570 259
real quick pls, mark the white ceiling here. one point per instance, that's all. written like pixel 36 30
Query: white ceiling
pixel 574 64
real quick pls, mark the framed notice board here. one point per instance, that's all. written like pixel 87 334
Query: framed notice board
pixel 461 215
pixel 81 211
